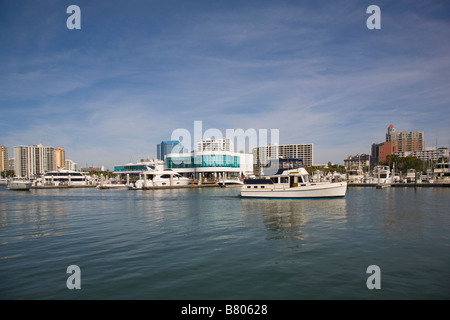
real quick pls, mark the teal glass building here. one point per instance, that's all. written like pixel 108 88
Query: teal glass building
pixel 202 161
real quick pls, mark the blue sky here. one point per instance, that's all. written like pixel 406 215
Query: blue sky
pixel 138 70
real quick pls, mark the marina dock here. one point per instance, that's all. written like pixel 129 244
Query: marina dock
pixel 408 185
pixel 52 186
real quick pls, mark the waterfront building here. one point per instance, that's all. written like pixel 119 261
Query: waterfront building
pixel 215 145
pixel 357 162
pixel 213 161
pixel 298 151
pixel 32 161
pixel 265 154
pixel 380 151
pixel 166 147
pixel 11 164
pixel 374 151
pixel 396 142
pixel 70 165
pixel 4 159
pixel 429 154
pixel 60 158
pixel 405 141
pixel 385 149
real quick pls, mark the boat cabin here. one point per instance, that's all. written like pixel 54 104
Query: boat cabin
pixel 288 178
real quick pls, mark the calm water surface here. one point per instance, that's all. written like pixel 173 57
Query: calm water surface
pixel 210 244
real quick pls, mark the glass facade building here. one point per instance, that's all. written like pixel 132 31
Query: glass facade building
pixel 166 147
pixel 132 167
pixel 201 161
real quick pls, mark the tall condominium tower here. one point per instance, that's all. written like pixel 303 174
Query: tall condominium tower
pixel 31 161
pixel 167 147
pixel 403 141
pixel 305 152
pixel 60 158
pixel 4 158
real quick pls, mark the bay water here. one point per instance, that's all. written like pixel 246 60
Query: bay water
pixel 208 243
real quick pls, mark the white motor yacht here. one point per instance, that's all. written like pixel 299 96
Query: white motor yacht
pixel 160 178
pixel 442 172
pixel 3 181
pixel 230 182
pixel 382 175
pixel 65 177
pixel 18 183
pixel 292 183
pixel 355 176
pixel 410 175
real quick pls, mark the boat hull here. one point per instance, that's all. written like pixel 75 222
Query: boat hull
pixel 325 190
pixel 20 186
pixel 113 186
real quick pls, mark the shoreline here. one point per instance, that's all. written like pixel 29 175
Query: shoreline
pixel 408 185
pixel 212 185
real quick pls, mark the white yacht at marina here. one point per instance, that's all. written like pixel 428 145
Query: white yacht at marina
pixel 112 185
pixel 3 181
pixel 230 181
pixel 160 178
pixel 18 183
pixel 410 176
pixel 292 183
pixel 382 175
pixel 355 176
pixel 64 178
pixel 442 172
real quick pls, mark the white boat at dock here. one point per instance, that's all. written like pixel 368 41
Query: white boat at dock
pixel 442 172
pixel 382 175
pixel 411 176
pixel 64 178
pixel 113 186
pixel 292 183
pixel 230 182
pixel 355 176
pixel 159 178
pixel 18 183
pixel 3 181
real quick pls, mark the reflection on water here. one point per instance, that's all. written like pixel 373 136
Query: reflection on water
pixel 27 216
pixel 286 217
pixel 209 243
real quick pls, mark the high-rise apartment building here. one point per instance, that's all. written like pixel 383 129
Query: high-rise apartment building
pixel 60 158
pixel 166 147
pixel 4 158
pixel 31 161
pixel 298 151
pixel 404 141
pixel 70 165
pixel 215 145
pixel 396 142
pixel 263 155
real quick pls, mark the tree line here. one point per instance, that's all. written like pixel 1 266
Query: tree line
pixel 403 164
